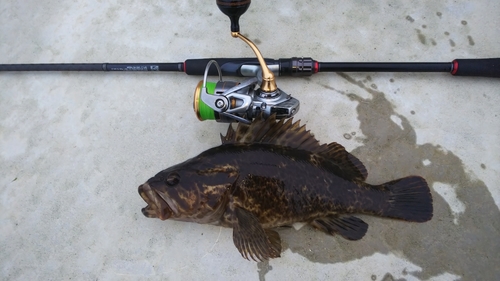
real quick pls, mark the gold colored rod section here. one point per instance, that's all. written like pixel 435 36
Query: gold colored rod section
pixel 268 80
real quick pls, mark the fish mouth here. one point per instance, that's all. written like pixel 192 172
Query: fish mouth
pixel 159 205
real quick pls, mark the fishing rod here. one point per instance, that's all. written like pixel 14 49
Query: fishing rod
pixel 228 101
pixel 295 66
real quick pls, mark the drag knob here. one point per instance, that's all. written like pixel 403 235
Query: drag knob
pixel 233 9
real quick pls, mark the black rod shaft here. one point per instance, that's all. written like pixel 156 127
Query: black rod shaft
pixel 94 67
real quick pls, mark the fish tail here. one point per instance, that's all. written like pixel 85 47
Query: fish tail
pixel 408 199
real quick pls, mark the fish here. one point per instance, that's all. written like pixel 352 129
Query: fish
pixel 272 173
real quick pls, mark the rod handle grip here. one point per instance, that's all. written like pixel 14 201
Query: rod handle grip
pixel 476 67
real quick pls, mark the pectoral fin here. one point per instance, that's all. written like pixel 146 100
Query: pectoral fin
pixel 252 240
pixel 349 227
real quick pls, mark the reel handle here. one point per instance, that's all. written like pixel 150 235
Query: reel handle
pixel 234 9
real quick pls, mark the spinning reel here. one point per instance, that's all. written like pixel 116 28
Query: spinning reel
pixel 228 101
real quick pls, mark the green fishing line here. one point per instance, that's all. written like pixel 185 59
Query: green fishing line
pixel 207 113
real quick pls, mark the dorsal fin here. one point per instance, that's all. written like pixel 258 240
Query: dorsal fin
pixel 338 154
pixel 289 134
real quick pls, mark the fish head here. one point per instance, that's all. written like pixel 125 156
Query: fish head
pixel 187 193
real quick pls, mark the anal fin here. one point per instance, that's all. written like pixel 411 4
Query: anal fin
pixel 253 241
pixel 349 227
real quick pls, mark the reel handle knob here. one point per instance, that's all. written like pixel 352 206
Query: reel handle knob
pixel 234 9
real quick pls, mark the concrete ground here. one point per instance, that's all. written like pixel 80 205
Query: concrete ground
pixel 75 146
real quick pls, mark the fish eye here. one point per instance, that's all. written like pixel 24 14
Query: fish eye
pixel 173 179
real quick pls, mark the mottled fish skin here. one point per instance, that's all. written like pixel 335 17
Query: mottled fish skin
pixel 271 174
pixel 282 185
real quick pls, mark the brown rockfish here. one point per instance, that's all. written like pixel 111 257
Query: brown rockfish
pixel 270 174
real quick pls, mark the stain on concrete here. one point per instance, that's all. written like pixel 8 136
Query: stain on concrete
pixel 263 269
pixel 471 41
pixel 410 19
pixel 483 166
pixel 390 151
pixel 389 277
pixel 328 87
pixel 412 112
pixel 421 37
pixel 424 40
pixel 391 80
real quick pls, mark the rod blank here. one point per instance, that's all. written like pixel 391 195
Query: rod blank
pixel 93 67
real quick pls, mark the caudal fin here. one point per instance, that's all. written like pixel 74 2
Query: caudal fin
pixel 408 199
